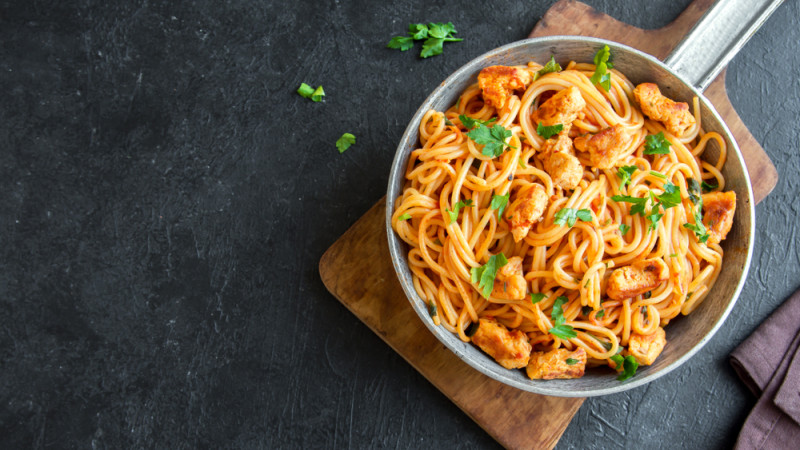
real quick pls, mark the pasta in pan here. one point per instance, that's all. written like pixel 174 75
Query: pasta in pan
pixel 556 218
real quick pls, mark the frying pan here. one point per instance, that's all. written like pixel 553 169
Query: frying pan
pixel 685 73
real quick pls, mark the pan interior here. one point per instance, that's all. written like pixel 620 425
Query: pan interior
pixel 685 334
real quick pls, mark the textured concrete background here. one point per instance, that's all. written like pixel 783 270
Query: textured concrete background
pixel 167 197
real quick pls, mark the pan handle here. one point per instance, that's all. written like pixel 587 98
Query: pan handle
pixel 717 37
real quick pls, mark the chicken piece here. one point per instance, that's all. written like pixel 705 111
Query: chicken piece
pixel 561 108
pixel 510 284
pixel 647 348
pixel 530 205
pixel 674 115
pixel 560 162
pixel 718 210
pixel 605 147
pixel 510 349
pixel 498 82
pixel 638 278
pixel 553 364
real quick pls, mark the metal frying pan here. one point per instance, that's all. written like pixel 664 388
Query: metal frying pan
pixel 693 64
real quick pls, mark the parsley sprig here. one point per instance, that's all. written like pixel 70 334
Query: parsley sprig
pixel 551 66
pixel 345 141
pixel 670 198
pixel 628 365
pixel 624 173
pixel 485 274
pixel 697 227
pixel 493 139
pixel 601 75
pixel 560 328
pixel 434 34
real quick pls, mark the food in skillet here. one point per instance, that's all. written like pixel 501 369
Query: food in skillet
pixel 559 219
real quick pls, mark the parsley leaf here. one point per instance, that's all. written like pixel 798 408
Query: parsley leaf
pixel 560 329
pixel 694 191
pixel 547 132
pixel 536 298
pixel 600 314
pixel 656 144
pixel 629 367
pixel 624 228
pixel 403 217
pixel 654 217
pixel 572 361
pixel 432 309
pixel 569 216
pixel 456 208
pixel 708 186
pixel 493 140
pixel 551 66
pixel 418 31
pixel 698 227
pixel 658 174
pixel 305 90
pixel 432 47
pixel 314 94
pixel 617 359
pixel 441 30
pixel 601 75
pixel 624 173
pixel 499 203
pixel 671 196
pixel 629 199
pixel 485 274
pixel 471 123
pixel 402 43
pixel 344 142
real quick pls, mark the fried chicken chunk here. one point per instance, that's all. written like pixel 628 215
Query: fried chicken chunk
pixel 674 115
pixel 637 278
pixel 718 210
pixel 561 108
pixel 498 82
pixel 647 348
pixel 510 283
pixel 605 147
pixel 560 162
pixel 526 210
pixel 554 364
pixel 510 349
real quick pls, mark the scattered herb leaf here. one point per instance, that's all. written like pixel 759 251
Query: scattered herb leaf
pixel 572 361
pixel 547 132
pixel 453 215
pixel 493 140
pixel 485 274
pixel 624 228
pixel 471 123
pixel 601 75
pixel 629 367
pixel 708 186
pixel 658 174
pixel 344 142
pixel 551 66
pixel 403 217
pixel 569 216
pixel 536 298
pixel 624 173
pixel 656 144
pixel 560 329
pixel 432 309
pixel 499 203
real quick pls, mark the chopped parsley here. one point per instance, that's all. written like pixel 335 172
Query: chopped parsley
pixel 403 217
pixel 432 309
pixel 624 173
pixel 485 274
pixel 493 139
pixel 569 216
pixel 629 366
pixel 694 191
pixel 600 314
pixel 624 228
pixel 698 227
pixel 499 203
pixel 453 215
pixel 547 132
pixel 601 75
pixel 344 142
pixel 572 361
pixel 536 298
pixel 434 34
pixel 308 92
pixel 656 144
pixel 560 329
pixel 551 66
pixel 471 123
pixel 671 196
pixel 708 186
pixel 658 174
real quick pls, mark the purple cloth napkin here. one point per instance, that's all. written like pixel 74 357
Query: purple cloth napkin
pixel 768 362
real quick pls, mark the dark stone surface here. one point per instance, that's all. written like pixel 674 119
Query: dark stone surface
pixel 167 197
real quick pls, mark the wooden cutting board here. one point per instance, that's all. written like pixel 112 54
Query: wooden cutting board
pixel 357 268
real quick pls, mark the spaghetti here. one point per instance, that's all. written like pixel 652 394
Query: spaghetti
pixel 533 290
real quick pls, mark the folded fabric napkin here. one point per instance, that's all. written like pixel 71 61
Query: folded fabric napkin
pixel 768 362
